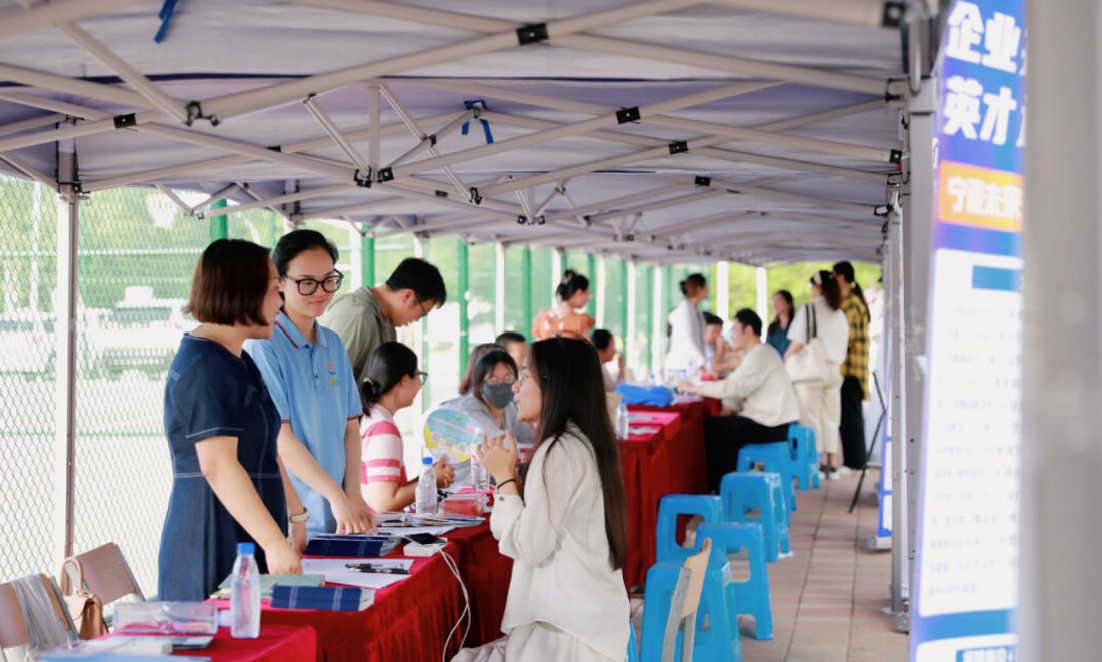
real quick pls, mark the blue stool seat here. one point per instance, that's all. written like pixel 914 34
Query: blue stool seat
pixel 719 643
pixel 747 597
pixel 669 508
pixel 777 459
pixel 740 491
pixel 804 456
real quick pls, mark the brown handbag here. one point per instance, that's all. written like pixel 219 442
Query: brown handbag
pixel 85 608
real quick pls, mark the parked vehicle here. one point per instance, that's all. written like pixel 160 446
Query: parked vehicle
pixel 27 339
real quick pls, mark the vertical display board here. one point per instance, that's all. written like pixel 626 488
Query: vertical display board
pixel 966 573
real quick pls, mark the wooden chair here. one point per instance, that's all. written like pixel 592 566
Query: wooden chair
pixel 684 603
pixel 13 629
pixel 106 574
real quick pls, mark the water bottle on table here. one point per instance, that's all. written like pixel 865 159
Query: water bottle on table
pixel 623 424
pixel 480 480
pixel 426 488
pixel 245 594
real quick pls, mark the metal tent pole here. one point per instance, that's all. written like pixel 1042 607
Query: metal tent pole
pixel 67 313
pixel 591 274
pixel 499 288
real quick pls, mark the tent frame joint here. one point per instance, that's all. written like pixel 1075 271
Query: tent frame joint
pixel 532 34
pixel 195 112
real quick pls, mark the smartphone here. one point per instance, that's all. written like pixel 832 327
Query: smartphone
pixel 425 539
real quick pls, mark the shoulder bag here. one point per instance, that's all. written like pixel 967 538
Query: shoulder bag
pixel 809 365
pixel 85 608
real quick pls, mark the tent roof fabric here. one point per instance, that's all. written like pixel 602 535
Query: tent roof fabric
pixel 667 130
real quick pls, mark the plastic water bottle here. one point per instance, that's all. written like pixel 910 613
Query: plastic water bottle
pixel 245 594
pixel 480 481
pixel 426 488
pixel 622 422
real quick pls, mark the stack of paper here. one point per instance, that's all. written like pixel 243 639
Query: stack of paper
pixel 336 571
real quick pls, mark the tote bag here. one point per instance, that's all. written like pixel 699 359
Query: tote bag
pixel 809 365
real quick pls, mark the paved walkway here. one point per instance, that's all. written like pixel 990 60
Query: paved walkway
pixel 828 599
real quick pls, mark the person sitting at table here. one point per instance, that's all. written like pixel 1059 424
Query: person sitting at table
pixel 566 527
pixel 605 344
pixel 516 344
pixel 760 393
pixel 392 384
pixel 228 485
pixel 312 384
pixel 489 401
pixel 465 384
pixel 564 319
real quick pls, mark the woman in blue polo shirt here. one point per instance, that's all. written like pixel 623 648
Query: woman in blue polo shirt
pixel 307 371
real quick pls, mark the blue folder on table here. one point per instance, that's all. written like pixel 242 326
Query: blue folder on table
pixel 637 394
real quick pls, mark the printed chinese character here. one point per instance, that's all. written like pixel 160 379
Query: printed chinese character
pixel 998 115
pixel 1001 41
pixel 965 31
pixel 993 201
pixel 958 188
pixel 962 106
pixel 977 193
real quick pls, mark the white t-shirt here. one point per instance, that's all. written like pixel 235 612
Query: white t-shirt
pixel 686 338
pixel 761 387
pixel 833 329
pixel 556 536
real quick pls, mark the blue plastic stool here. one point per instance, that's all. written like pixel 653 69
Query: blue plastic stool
pixel 669 508
pixel 777 459
pixel 633 650
pixel 719 643
pixel 751 596
pixel 737 490
pixel 804 456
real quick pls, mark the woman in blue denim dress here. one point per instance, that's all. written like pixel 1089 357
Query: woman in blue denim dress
pixel 227 484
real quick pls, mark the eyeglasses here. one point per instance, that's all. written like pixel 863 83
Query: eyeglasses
pixel 307 286
pixel 422 305
pixel 421 375
pixel 494 381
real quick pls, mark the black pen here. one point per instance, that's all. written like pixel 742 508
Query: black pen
pixel 379 570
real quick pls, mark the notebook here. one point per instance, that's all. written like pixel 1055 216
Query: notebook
pixel 325 598
pixel 359 546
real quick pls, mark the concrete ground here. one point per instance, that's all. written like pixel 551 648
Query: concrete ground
pixel 828 598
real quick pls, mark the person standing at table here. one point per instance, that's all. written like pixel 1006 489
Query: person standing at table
pixel 489 402
pixel 310 378
pixel 855 369
pixel 392 384
pixel 777 337
pixel 228 485
pixel 761 394
pixel 564 319
pixel 687 354
pixel 368 317
pixel 566 527
pixel 821 402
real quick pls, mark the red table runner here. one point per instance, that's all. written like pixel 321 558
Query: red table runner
pixel 275 644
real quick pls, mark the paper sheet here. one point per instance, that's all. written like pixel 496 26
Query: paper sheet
pixel 410 530
pixel 336 573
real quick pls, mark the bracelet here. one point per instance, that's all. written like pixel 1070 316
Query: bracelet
pixel 301 517
pixel 504 483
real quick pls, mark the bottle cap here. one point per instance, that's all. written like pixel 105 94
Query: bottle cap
pixel 246 548
pixel 426 460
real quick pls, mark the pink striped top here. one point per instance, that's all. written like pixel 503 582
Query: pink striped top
pixel 382 448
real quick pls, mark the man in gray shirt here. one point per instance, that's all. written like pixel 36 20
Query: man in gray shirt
pixel 366 318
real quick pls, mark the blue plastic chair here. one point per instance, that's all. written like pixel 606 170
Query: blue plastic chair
pixel 751 596
pixel 804 455
pixel 777 459
pixel 669 508
pixel 741 491
pixel 633 650
pixel 719 643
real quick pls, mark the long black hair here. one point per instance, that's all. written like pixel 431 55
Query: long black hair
pixel 844 269
pixel 573 391
pixel 571 283
pixel 831 292
pixel 776 323
pixel 385 369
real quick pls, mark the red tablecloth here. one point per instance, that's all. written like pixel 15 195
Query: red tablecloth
pixel 275 644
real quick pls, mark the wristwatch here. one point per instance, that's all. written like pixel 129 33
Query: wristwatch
pixel 301 517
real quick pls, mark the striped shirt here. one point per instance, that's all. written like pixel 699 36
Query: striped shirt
pixel 382 449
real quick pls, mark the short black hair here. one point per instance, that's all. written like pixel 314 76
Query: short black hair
pixel 510 336
pixel 601 338
pixel 710 319
pixel 420 276
pixel 485 365
pixel 292 244
pixel 747 317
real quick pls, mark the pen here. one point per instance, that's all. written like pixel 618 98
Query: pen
pixel 379 570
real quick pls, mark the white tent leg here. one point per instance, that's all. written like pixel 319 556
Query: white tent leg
pixel 67 314
pixel 723 290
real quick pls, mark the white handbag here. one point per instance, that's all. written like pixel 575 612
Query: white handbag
pixel 809 365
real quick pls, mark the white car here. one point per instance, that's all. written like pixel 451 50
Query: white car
pixel 28 341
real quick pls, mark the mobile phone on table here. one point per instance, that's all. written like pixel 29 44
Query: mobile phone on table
pixel 425 539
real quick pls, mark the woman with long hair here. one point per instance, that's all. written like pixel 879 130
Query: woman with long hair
pixel 777 335
pixel 821 402
pixel 392 384
pixel 565 318
pixel 566 528
pixel 687 354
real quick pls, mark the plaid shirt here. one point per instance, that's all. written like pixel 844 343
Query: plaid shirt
pixel 857 352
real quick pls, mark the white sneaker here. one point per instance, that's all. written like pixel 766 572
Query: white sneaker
pixel 844 471
pixel 832 474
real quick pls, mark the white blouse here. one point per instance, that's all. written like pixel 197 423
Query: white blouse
pixel 832 325
pixel 686 338
pixel 556 536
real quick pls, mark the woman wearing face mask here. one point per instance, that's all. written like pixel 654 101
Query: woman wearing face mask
pixel 392 384
pixel 490 402
pixel 310 378
pixel 564 319
pixel 566 528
